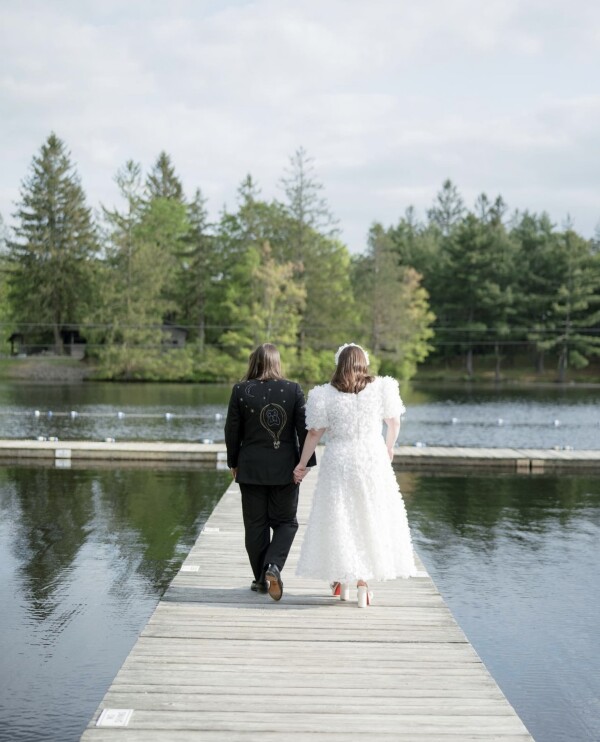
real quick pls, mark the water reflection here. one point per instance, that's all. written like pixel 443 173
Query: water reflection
pixel 517 560
pixel 47 536
pixel 84 557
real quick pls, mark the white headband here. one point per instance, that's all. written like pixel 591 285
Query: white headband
pixel 350 345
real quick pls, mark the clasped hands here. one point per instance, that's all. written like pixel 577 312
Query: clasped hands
pixel 299 473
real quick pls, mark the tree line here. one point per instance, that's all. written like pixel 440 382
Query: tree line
pixel 501 285
pixel 462 282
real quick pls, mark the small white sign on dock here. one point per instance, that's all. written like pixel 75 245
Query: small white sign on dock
pixel 208 529
pixel 190 568
pixel 114 718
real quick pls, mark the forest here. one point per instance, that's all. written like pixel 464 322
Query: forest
pixel 159 291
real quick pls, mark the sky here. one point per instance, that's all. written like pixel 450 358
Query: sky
pixel 389 98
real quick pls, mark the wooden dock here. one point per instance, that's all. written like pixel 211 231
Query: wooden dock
pixel 217 662
pixel 150 453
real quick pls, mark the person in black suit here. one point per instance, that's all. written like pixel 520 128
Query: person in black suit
pixel 264 434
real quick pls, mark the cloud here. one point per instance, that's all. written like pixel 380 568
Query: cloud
pixel 389 98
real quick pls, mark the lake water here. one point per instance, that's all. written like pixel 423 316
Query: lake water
pixel 517 560
pixel 84 558
pixel 86 554
pixel 451 415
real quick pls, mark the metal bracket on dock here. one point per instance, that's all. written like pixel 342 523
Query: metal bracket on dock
pixel 222 461
pixel 530 466
pixel 114 718
pixel 62 458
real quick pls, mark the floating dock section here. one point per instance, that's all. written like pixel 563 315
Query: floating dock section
pixel 85 453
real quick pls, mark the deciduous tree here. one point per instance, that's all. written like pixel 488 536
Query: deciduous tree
pixel 395 312
pixel 264 302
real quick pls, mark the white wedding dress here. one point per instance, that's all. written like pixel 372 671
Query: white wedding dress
pixel 357 529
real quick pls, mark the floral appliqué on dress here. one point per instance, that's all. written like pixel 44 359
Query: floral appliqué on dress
pixel 358 527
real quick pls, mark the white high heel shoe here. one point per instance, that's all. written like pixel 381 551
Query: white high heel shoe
pixel 365 596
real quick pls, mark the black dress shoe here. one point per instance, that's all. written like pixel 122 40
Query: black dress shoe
pixel 273 577
pixel 259 586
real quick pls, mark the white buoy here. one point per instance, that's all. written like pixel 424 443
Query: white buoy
pixel 454 420
pixel 420 444
pixel 49 413
pixel 500 421
pixel 120 415
pixel 207 440
pixel 556 423
pixel 74 414
pixel 168 415
pixel 37 413
pixel 218 416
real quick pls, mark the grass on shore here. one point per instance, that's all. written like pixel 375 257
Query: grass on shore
pixel 522 373
pixel 43 368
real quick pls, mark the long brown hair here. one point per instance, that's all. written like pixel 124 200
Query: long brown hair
pixel 352 374
pixel 264 364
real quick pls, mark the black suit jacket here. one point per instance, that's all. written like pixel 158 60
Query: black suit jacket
pixel 265 431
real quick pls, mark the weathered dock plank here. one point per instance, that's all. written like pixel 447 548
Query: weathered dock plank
pixel 346 733
pixel 217 662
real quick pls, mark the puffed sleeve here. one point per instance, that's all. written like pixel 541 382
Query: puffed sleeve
pixel 316 409
pixel 392 404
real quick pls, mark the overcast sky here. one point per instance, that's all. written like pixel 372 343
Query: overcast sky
pixel 388 97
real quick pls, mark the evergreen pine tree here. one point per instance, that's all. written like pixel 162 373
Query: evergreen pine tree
pixel 165 227
pixel 448 208
pixel 5 324
pixel 473 285
pixel 200 262
pixel 576 307
pixel 3 236
pixel 310 223
pixel 162 182
pixel 307 208
pixel 537 281
pixel 54 246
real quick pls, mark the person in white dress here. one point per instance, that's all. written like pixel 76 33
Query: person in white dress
pixel 357 530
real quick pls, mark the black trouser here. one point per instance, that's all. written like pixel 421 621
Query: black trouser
pixel 267 506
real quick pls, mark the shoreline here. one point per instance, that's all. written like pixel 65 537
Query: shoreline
pixel 66 370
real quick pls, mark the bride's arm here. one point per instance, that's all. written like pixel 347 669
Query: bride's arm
pixel 312 440
pixel 310 443
pixel 393 428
